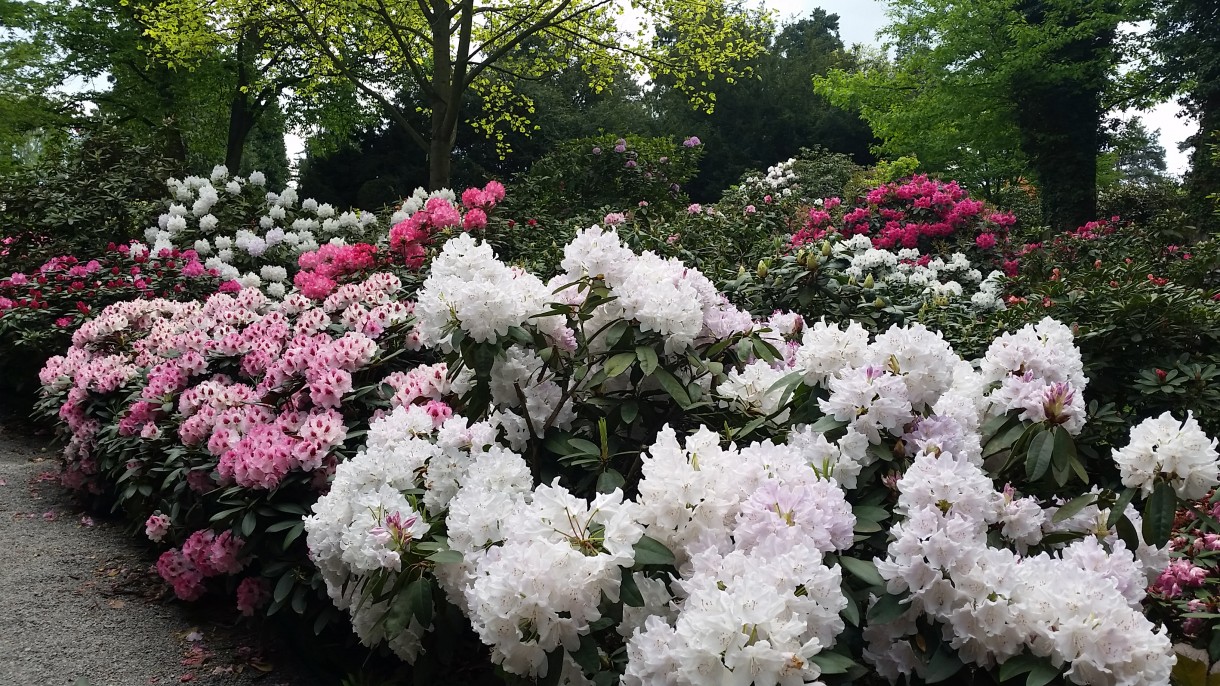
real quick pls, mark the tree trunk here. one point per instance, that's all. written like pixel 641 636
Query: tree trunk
pixel 1060 134
pixel 241 122
pixel 1059 110
pixel 440 146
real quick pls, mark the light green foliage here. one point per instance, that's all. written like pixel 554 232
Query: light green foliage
pixel 440 51
pixel 951 94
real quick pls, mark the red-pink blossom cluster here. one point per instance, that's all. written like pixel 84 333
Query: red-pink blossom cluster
pixel 1097 229
pixel 252 593
pixel 204 554
pixel 321 269
pixel 411 237
pixel 70 288
pixel 902 214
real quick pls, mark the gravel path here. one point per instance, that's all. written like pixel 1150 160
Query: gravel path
pixel 78 606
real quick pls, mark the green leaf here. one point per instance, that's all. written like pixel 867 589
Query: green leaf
pixel 629 591
pixel 629 410
pixel 610 480
pixel 1043 673
pixel 765 351
pixel 832 663
pixel 863 570
pixel 1119 508
pixel 618 364
pixel 1074 506
pixel 585 446
pixel 673 387
pixel 586 655
pixel 280 526
pixel 248 523
pixel 554 662
pixel 1126 532
pixel 615 332
pixel 1018 665
pixel 870 513
pixel 445 557
pixel 283 587
pixel 420 594
pixel 827 424
pixel 648 358
pixel 944 664
pixel 1159 511
pixel 887 608
pixel 650 551
pixel 293 534
pixel 1038 459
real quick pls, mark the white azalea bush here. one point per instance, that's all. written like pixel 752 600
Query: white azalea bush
pixel 623 478
pixel 255 237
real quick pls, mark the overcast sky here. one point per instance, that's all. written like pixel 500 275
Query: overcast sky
pixel 859 21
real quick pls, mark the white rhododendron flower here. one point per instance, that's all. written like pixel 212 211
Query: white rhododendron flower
pixel 1178 452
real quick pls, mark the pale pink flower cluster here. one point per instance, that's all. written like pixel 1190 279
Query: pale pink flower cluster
pixel 299 350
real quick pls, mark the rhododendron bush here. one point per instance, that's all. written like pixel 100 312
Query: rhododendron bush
pixel 760 554
pixel 40 309
pixel 620 473
pixel 220 421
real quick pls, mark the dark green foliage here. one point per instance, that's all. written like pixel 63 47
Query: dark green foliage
pixel 99 186
pixel 770 117
pixel 1187 49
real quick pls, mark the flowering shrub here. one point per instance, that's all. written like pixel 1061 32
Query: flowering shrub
pixel 39 310
pixel 909 214
pixel 216 423
pixel 246 232
pixel 1184 593
pixel 610 472
pixel 1145 312
pixel 577 557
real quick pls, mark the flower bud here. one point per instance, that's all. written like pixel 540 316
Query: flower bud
pixel 762 269
pixel 868 281
pixel 878 303
pixel 825 248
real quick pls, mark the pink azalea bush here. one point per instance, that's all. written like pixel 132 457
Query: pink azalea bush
pixel 911 213
pixel 187 414
pixel 40 308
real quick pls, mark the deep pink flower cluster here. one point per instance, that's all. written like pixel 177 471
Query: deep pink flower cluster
pixel 204 554
pixel 1179 575
pixel 69 288
pixel 1097 229
pixel 321 269
pixel 902 214
pixel 411 237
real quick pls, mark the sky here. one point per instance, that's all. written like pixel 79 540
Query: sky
pixel 860 20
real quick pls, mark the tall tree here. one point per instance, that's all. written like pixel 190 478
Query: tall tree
pixel 998 89
pixel 446 49
pixel 772 114
pixel 372 169
pixel 257 53
pixel 1186 52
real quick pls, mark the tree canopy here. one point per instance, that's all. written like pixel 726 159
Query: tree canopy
pixel 992 90
pixel 444 50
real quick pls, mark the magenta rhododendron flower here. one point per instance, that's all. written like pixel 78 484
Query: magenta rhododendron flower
pixel 252 594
